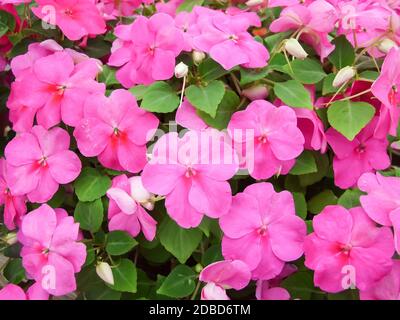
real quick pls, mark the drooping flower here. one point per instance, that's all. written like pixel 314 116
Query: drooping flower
pixel 57 89
pixel 192 173
pixel 39 161
pixel 226 39
pixel 146 50
pixel 381 202
pixel 388 288
pixel 262 229
pixel 51 254
pixel 14 292
pixel 14 206
pixel 366 153
pixel 347 243
pixel 387 89
pixel 126 212
pixel 75 18
pixel 314 22
pixel 267 138
pixel 116 130
pixel 223 275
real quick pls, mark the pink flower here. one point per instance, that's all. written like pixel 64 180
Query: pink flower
pixel 126 212
pixel 227 41
pixel 387 89
pixel 223 275
pixel 76 19
pixel 14 206
pixel 38 161
pixel 381 202
pixel 316 20
pixel 191 172
pixel 13 292
pixel 347 242
pixel 58 89
pixel 116 130
pixel 51 254
pixel 267 138
pixel 365 153
pixel 312 128
pixel 262 229
pixel 118 8
pixel 187 117
pixel 387 288
pixel 146 50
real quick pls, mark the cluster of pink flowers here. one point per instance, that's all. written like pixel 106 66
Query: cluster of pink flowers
pixel 63 115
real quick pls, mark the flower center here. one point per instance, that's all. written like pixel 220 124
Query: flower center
pixel 361 148
pixel 346 248
pixel 262 231
pixel 392 95
pixel 68 12
pixel 233 37
pixel 45 251
pixel 190 172
pixel 42 162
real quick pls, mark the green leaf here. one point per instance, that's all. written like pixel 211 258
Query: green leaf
pixel 317 203
pixel 14 272
pixel 369 75
pixel 300 285
pixel 277 63
pixel 225 110
pixel 188 5
pixel 273 40
pixel 327 85
pixel 305 163
pixel 160 97
pixel 138 91
pixel 179 283
pixel 125 276
pixel 108 76
pixel 322 163
pixel 91 185
pixel 211 70
pixel 293 94
pixel 7 20
pixel 350 198
pixel 119 242
pixel 306 71
pixel 250 75
pixel 3 29
pixel 206 98
pixel 212 254
pixel 300 204
pixel 349 117
pixel 97 47
pixel 89 215
pixel 343 55
pixel 178 241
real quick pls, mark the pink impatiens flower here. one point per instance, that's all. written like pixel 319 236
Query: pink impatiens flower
pixel 126 212
pixel 57 88
pixel 76 18
pixel 38 161
pixel 382 201
pixel 13 292
pixel 387 288
pixel 191 172
pixel 262 229
pixel 14 206
pixel 268 138
pixel 366 153
pixel 146 50
pixel 116 130
pixel 347 242
pixel 223 275
pixel 387 89
pixel 227 41
pixel 187 117
pixel 51 254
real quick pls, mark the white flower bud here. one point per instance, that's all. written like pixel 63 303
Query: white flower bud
pixel 104 271
pixel 295 49
pixel 256 93
pixel 343 76
pixel 252 3
pixel 198 56
pixel 11 238
pixel 386 44
pixel 138 191
pixel 181 70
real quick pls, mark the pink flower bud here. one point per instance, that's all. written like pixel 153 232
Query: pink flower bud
pixel 256 93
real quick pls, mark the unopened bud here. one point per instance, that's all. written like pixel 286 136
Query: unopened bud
pixel 255 93
pixel 181 70
pixel 198 56
pixel 104 271
pixel 11 238
pixel 344 75
pixel 252 3
pixel 295 49
pixel 386 44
